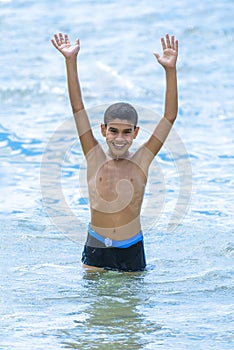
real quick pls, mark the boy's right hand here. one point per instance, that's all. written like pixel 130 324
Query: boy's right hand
pixel 63 44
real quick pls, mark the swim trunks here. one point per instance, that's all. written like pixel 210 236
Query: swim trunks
pixel 100 252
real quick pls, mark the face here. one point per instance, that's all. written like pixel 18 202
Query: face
pixel 119 136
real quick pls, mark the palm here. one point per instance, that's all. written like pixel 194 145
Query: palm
pixel 168 59
pixel 69 50
pixel 63 44
pixel 170 52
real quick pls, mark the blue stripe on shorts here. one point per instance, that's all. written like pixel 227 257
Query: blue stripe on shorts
pixel 113 243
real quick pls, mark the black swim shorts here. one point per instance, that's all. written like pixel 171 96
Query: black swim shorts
pixel 112 258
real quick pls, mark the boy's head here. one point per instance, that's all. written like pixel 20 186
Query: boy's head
pixel 120 128
pixel 122 111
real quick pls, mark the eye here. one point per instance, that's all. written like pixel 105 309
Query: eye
pixel 113 131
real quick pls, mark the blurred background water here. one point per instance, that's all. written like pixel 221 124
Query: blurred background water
pixel 184 299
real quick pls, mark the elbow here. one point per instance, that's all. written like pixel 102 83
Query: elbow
pixel 77 107
pixel 171 117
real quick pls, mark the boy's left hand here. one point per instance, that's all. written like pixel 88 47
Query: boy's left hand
pixel 170 52
pixel 61 43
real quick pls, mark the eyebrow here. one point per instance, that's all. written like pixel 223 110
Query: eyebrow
pixel 115 129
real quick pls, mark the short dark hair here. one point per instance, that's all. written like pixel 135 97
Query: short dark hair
pixel 121 110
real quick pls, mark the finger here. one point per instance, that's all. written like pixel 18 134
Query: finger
pixel 56 39
pixel 176 45
pixel 66 39
pixel 61 38
pixel 163 44
pixel 157 55
pixel 168 41
pixel 173 42
pixel 54 43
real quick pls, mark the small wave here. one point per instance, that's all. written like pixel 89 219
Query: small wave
pixel 14 145
pixel 228 249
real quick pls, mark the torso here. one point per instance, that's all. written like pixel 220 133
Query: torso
pixel 116 190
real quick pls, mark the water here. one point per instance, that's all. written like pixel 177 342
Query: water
pixel 184 298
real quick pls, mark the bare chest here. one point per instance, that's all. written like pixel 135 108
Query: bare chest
pixel 117 176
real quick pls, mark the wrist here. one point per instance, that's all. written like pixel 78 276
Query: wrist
pixel 72 58
pixel 170 69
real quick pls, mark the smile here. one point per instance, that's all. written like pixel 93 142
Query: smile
pixel 119 145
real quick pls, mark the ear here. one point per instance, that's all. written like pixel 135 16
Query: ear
pixel 136 132
pixel 103 129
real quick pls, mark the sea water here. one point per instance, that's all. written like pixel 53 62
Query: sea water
pixel 184 299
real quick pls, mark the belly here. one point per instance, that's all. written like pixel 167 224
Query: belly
pixel 116 226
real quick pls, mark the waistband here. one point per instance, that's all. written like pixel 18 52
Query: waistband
pixel 108 242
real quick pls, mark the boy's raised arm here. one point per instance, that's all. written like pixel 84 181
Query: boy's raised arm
pixel 70 52
pixel 168 61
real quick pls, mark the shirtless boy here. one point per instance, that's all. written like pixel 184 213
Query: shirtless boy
pixel 117 178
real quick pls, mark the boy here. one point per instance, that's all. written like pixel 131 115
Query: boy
pixel 116 179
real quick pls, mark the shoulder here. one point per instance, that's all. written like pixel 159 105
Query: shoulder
pixel 143 157
pixel 96 156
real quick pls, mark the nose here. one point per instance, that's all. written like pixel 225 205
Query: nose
pixel 119 137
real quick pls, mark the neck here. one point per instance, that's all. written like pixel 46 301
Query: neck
pixel 117 157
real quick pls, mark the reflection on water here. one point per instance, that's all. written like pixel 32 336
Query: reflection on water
pixel 111 318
